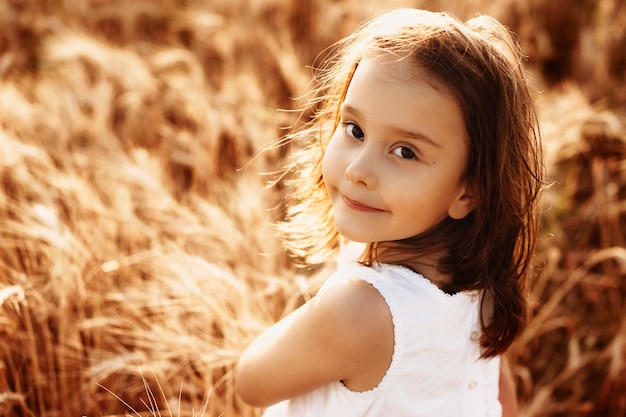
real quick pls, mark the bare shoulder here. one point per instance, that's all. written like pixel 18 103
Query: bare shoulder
pixel 352 314
pixel 357 306
pixel 344 334
pixel 364 326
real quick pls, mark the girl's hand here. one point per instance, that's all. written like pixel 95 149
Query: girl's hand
pixel 345 334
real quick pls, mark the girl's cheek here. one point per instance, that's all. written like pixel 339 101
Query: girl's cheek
pixel 329 160
pixel 326 162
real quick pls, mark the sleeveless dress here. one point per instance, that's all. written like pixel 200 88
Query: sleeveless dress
pixel 436 370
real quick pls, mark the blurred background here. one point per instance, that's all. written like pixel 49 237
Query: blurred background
pixel 137 256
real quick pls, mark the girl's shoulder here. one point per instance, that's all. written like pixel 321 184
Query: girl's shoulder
pixel 360 312
pixel 360 319
pixel 342 334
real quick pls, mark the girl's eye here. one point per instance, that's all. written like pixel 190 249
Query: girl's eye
pixel 353 130
pixel 404 152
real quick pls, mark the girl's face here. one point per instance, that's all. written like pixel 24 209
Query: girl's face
pixel 394 165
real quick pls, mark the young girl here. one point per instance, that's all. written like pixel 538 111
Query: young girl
pixel 424 148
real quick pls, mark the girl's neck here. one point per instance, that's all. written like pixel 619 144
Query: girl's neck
pixel 425 265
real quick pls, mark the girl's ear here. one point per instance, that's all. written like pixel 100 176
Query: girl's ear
pixel 466 201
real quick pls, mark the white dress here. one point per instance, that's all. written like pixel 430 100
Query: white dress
pixel 436 370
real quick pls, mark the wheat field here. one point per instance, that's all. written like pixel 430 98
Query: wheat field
pixel 137 252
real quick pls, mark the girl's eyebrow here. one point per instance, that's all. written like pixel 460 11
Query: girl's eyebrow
pixel 407 134
pixel 415 136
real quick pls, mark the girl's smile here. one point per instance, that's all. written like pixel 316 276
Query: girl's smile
pixel 395 164
pixel 360 206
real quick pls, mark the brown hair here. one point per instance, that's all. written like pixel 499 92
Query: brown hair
pixel 491 248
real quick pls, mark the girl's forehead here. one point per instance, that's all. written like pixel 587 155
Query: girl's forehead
pixel 404 67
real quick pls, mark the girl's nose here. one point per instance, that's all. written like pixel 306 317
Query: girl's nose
pixel 362 171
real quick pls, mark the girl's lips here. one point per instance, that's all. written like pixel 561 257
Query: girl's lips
pixel 358 206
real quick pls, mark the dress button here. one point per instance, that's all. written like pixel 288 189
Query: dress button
pixel 475 336
pixel 472 385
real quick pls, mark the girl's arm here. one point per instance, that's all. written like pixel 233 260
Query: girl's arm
pixel 346 335
pixel 508 398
